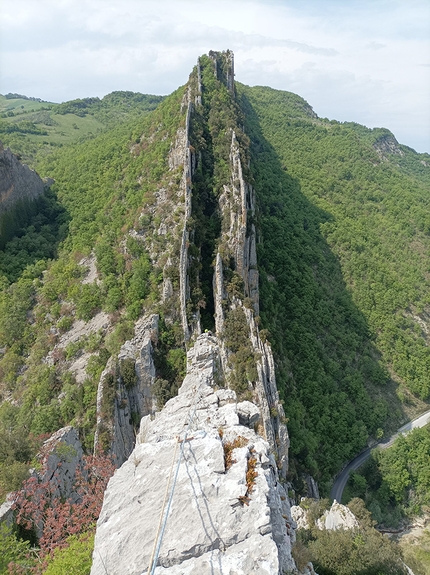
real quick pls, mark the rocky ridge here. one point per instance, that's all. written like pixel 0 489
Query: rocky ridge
pixel 237 247
pixel 230 513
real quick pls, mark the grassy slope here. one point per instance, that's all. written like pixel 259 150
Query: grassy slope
pixel 40 127
pixel 21 105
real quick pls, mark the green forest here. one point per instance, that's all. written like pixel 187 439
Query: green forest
pixel 344 251
pixel 343 229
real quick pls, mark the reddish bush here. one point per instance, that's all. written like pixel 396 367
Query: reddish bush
pixel 40 509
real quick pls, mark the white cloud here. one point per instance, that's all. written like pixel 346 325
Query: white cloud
pixel 360 60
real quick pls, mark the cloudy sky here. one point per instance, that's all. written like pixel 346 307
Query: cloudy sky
pixel 353 60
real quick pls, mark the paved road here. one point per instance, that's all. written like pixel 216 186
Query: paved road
pixel 342 478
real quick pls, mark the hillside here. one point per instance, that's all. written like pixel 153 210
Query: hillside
pixel 226 210
pixel 34 128
pixel 346 271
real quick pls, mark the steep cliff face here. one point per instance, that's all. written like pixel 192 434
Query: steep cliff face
pixel 217 453
pixel 17 181
pixel 129 396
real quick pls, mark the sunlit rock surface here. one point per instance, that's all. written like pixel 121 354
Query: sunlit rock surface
pixel 228 514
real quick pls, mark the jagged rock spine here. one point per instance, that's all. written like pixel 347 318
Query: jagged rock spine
pixel 228 526
pixel 237 200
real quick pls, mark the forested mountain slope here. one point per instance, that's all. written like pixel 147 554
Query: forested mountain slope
pixel 94 202
pixel 344 219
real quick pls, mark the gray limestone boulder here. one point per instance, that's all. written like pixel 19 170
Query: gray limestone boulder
pixel 6 512
pixel 248 413
pixel 300 516
pixel 62 457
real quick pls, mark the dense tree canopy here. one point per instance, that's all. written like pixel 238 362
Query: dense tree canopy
pixel 344 273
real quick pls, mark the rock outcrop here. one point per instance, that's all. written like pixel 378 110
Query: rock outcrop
pixel 17 181
pixel 337 517
pixel 132 397
pixel 387 144
pixel 6 511
pixel 61 456
pixel 229 512
pixel 300 516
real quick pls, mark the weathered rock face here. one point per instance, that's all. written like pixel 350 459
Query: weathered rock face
pixel 187 162
pixel 131 399
pixel 62 457
pixel 312 487
pixel 229 512
pixel 300 516
pixel 6 512
pixel 387 144
pixel 17 181
pixel 337 517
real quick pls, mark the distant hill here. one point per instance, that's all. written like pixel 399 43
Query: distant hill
pixel 34 128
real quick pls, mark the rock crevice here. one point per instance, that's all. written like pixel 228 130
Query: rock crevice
pixel 18 182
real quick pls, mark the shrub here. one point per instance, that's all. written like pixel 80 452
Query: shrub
pixel 65 323
pixel 127 371
pixel 355 552
pixel 123 330
pixel 37 507
pixel 242 357
pixel 76 558
pixel 301 555
pixel 12 549
pixel 163 390
pixel 88 301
